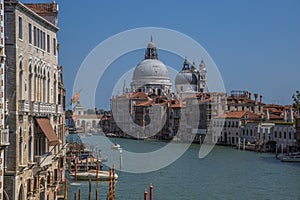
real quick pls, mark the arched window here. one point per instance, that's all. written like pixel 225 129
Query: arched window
pixel 21 84
pixel 30 140
pixel 20 146
pixel 48 88
pixel 284 135
pixel 21 193
pixel 30 77
pixel 44 90
pixel 35 89
pixel 55 90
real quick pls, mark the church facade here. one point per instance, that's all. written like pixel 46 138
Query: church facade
pixel 150 109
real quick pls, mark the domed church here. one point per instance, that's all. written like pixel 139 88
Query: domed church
pixel 190 80
pixel 151 75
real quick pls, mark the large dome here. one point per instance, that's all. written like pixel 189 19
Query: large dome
pixel 151 75
pixel 152 70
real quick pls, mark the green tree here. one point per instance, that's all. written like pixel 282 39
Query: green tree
pixel 296 98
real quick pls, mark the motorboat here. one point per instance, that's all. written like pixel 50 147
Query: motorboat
pixel 115 146
pixel 291 157
pixel 92 174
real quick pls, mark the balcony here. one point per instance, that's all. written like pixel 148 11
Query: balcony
pixel 47 108
pixel 44 160
pixel 59 109
pixel 23 106
pixel 34 107
pixel 42 108
pixel 4 137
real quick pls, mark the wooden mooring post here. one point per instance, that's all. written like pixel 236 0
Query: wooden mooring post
pixel 90 189
pixel 79 194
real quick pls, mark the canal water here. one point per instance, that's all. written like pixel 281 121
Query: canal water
pixel 226 173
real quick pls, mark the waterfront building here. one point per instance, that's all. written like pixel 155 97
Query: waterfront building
pixel 297 134
pixel 283 133
pixel 233 126
pixel 86 120
pixel 35 164
pixel 242 101
pixel 150 99
pixel 259 129
pixel 4 131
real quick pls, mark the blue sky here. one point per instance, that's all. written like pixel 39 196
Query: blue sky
pixel 255 44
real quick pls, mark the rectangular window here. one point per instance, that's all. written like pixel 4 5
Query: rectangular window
pixel 30 33
pixel 41 39
pixel 54 46
pixel 34 36
pixel 48 43
pixel 44 41
pixel 38 37
pixel 20 28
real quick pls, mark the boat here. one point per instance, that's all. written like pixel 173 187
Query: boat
pixel 115 146
pixel 291 157
pixel 89 134
pixel 92 174
pixel 111 135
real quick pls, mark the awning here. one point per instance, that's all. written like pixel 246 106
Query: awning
pixel 46 127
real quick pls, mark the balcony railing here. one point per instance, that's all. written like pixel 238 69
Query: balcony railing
pixel 59 109
pixel 4 137
pixel 38 108
pixel 34 107
pixel 44 160
pixel 23 106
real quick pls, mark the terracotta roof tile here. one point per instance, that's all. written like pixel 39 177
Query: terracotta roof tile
pixel 42 8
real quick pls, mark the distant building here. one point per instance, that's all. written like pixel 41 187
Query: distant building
pixel 86 120
pixel 242 101
pixel 297 135
pixel 36 98
pixel 151 107
pixel 259 129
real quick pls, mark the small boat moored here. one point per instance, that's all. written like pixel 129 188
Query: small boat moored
pixel 92 174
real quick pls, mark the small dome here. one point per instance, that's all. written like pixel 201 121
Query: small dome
pixel 186 77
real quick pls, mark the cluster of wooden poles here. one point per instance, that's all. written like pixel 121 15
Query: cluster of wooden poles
pixel 112 183
pixel 77 196
pixel 111 192
pixel 150 193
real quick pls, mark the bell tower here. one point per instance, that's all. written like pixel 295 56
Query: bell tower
pixel 202 77
pixel 151 52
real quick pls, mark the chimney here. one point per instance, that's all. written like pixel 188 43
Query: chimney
pixel 267 115
pixel 260 99
pixel 255 97
pixel 284 116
